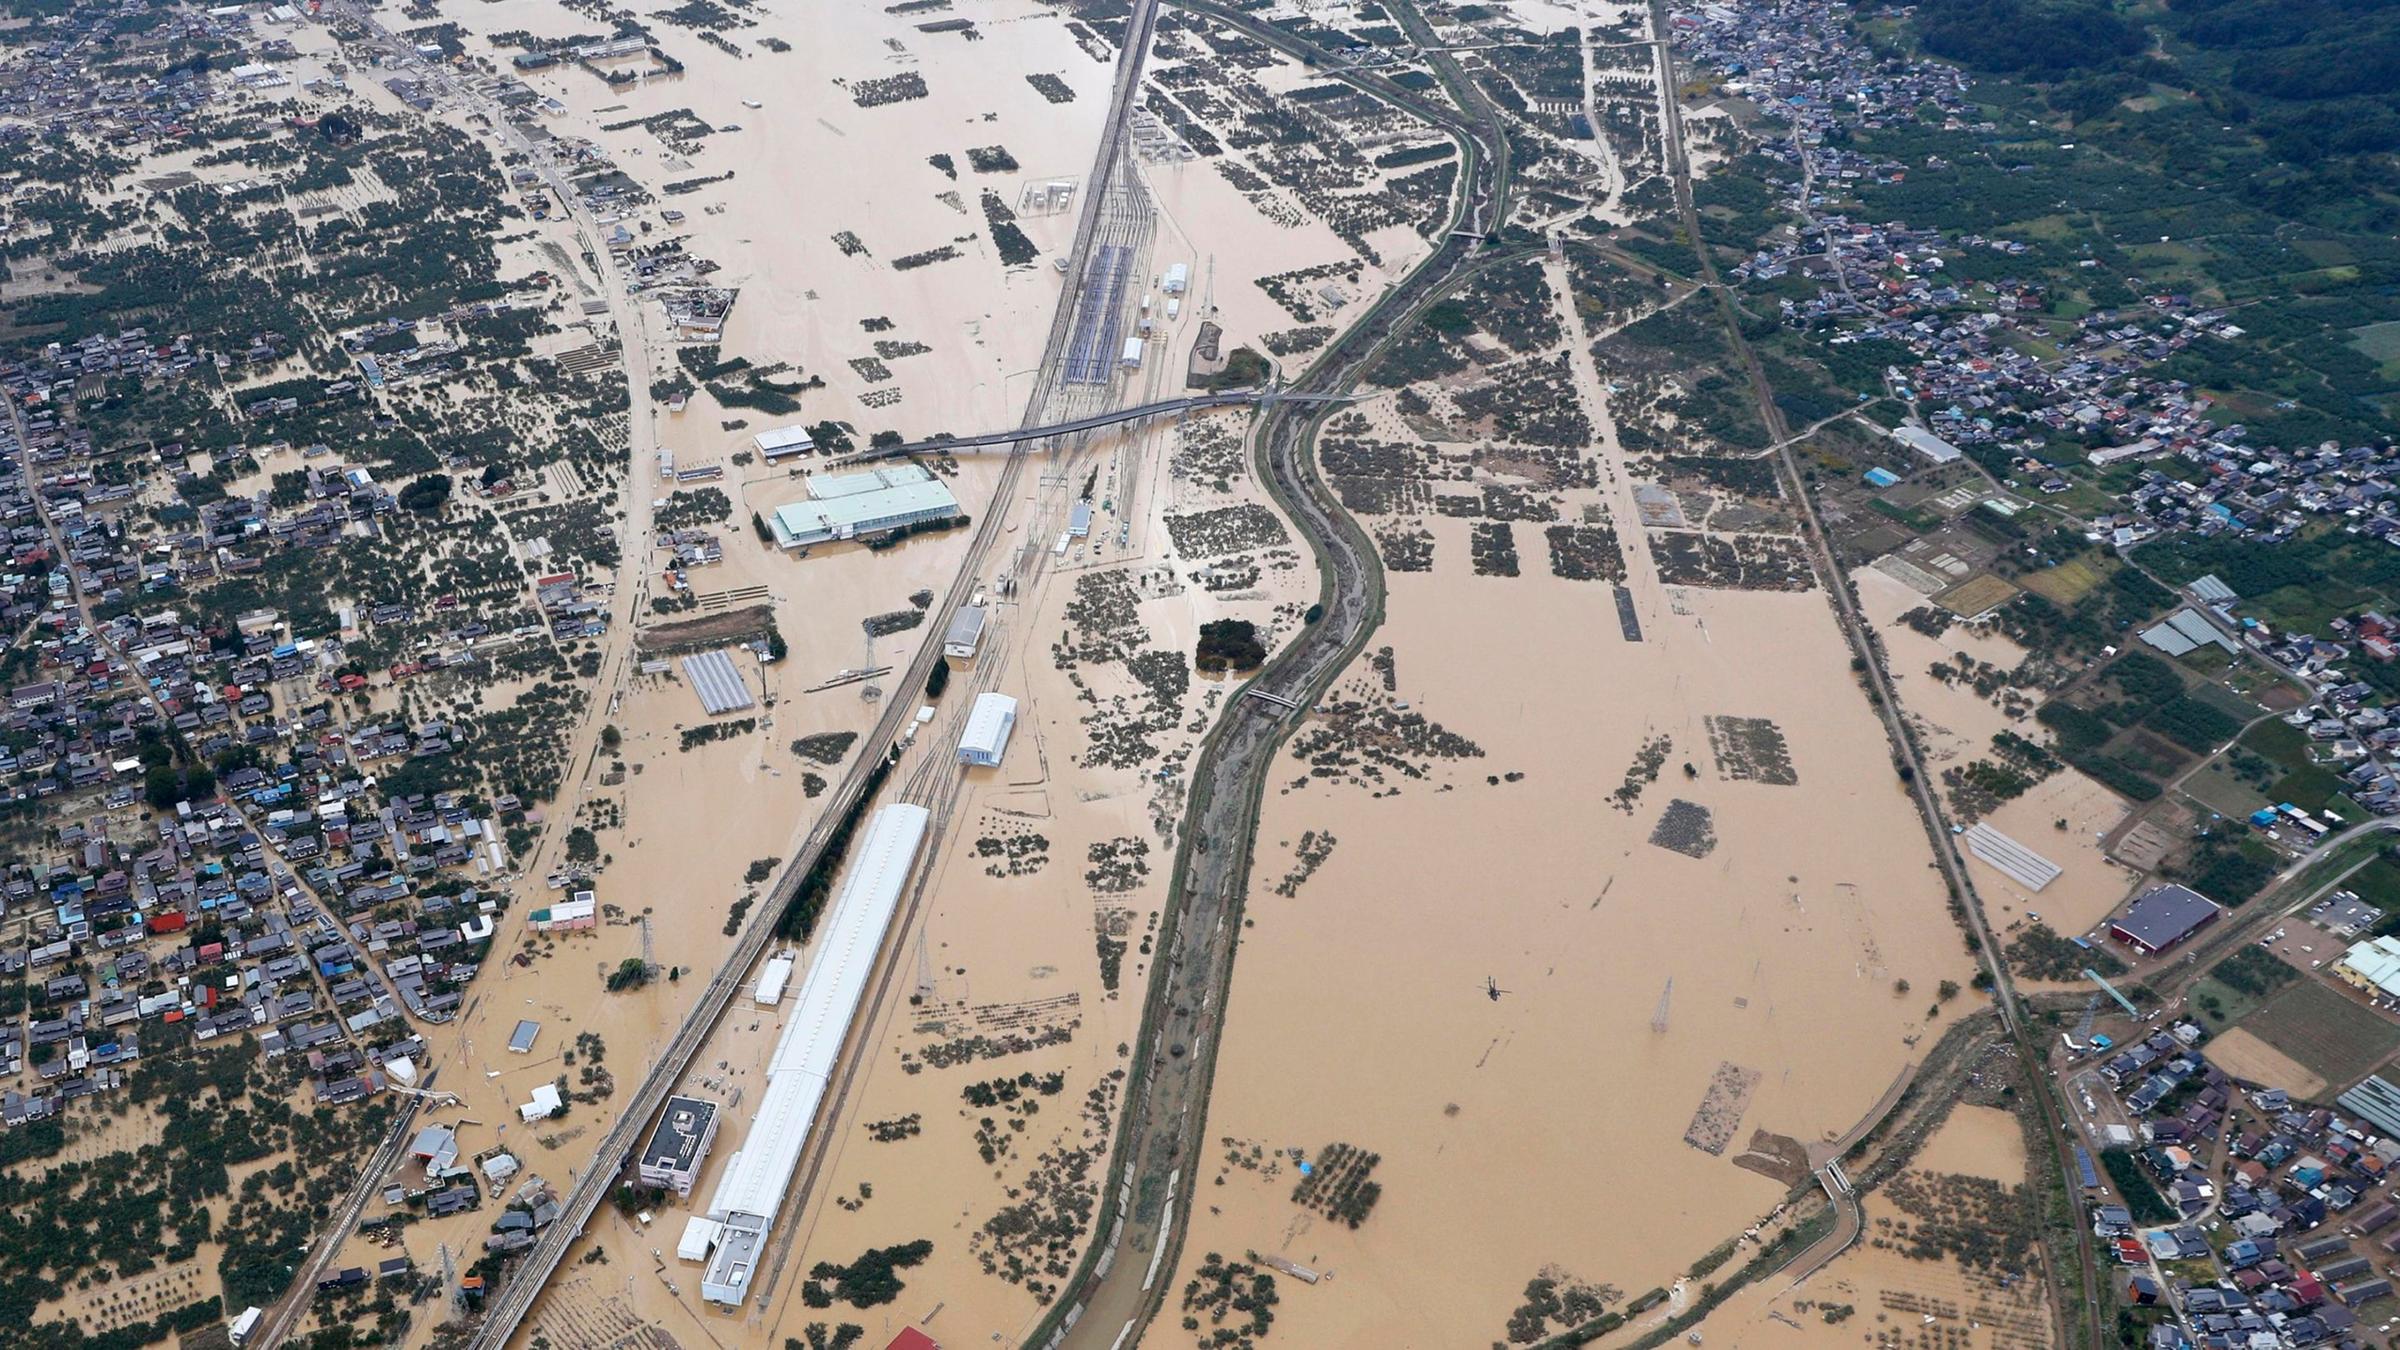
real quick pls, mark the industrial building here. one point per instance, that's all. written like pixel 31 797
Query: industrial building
pixel 2372 966
pixel 719 685
pixel 988 725
pixel 2377 1099
pixel 783 442
pixel 965 635
pixel 863 505
pixel 573 915
pixel 1926 443
pixel 2163 916
pixel 2185 631
pixel 756 1178
pixel 772 980
pixel 672 1156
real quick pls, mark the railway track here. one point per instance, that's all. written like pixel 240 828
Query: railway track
pixel 510 1306
pixel 1869 658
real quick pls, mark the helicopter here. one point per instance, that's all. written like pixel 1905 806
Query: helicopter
pixel 1492 989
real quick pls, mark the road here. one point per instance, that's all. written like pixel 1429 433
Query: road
pixel 635 534
pixel 1089 422
pixel 1140 1226
pixel 508 1308
pixel 1868 657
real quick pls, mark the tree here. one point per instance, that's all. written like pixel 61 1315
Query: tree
pixel 426 495
pixel 611 737
pixel 582 845
pixel 1229 644
pixel 1948 990
pixel 937 679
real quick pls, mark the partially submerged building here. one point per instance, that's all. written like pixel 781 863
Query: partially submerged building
pixel 718 682
pixel 672 1156
pixel 964 637
pixel 783 442
pixel 864 505
pixel 985 740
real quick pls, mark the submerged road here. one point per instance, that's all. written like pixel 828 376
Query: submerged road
pixel 1139 1229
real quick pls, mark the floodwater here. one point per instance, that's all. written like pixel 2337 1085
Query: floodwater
pixel 1565 1127
pixel 1955 725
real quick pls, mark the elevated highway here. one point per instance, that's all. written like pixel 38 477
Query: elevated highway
pixel 1196 403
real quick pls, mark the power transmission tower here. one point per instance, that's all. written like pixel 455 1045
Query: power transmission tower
pixel 458 1296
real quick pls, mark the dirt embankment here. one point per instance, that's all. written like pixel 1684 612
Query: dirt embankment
pixel 709 630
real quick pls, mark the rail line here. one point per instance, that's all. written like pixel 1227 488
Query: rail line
pixel 509 1307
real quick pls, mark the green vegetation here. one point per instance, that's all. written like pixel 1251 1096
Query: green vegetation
pixel 2039 953
pixel 426 495
pixel 1229 645
pixel 870 1281
pixel 2253 971
pixel 2229 872
pixel 2134 1185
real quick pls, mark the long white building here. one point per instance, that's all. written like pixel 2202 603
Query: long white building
pixel 756 1178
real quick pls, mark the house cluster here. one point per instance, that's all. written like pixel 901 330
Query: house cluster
pixel 2283 1253
pixel 217 857
pixel 327 931
pixel 1802 64
pixel 68 83
pixel 1976 368
pixel 2349 725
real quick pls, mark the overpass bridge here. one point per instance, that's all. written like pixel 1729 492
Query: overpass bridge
pixel 1234 398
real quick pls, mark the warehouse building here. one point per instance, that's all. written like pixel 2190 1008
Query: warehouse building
pixel 965 636
pixel 756 1178
pixel 782 443
pixel 986 738
pixel 672 1156
pixel 719 685
pixel 773 980
pixel 1926 443
pixel 2162 917
pixel 2372 966
pixel 864 505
